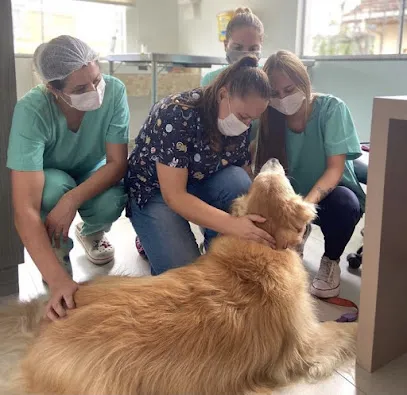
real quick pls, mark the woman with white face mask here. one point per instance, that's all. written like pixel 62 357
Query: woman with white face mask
pixel 315 138
pixel 244 36
pixel 188 162
pixel 68 153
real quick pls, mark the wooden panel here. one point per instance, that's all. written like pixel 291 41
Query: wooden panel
pixel 11 251
pixel 383 316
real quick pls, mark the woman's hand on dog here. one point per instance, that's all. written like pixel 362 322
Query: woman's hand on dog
pixel 245 227
pixel 62 298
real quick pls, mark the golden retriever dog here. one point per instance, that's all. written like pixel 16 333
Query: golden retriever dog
pixel 238 320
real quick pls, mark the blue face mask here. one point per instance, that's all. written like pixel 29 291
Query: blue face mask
pixel 233 55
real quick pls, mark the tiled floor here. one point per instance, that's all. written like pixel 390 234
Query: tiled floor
pixel 392 380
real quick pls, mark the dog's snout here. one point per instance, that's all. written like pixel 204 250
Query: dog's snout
pixel 273 165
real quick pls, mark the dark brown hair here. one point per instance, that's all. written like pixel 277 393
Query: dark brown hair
pixel 58 84
pixel 244 17
pixel 271 142
pixel 241 79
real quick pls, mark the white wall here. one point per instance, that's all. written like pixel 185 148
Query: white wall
pixel 153 23
pixel 357 82
pixel 198 33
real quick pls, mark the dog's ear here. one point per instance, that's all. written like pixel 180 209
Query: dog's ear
pixel 300 211
pixel 306 211
pixel 296 214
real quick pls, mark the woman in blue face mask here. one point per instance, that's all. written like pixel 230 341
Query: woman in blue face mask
pixel 188 165
pixel 68 153
pixel 244 36
pixel 314 137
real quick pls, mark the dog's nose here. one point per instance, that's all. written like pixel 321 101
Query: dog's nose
pixel 272 165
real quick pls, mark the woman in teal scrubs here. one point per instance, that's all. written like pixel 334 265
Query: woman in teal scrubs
pixel 244 36
pixel 315 138
pixel 68 153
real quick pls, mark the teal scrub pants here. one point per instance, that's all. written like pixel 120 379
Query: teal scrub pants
pixel 98 213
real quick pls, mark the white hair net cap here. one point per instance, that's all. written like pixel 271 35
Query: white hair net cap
pixel 62 56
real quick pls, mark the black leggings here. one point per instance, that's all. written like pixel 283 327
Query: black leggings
pixel 338 214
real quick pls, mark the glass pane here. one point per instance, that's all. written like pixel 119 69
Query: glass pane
pixel 27 25
pixel 351 27
pixel 102 26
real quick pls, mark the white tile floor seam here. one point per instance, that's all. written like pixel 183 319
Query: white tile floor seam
pixel 128 262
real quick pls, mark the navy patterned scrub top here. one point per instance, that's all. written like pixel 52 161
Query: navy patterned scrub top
pixel 173 135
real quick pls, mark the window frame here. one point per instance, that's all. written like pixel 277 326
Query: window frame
pixel 302 11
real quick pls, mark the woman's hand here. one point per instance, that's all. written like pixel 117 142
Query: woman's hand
pixel 245 227
pixel 62 298
pixel 60 219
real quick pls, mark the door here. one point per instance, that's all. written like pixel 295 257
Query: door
pixel 11 250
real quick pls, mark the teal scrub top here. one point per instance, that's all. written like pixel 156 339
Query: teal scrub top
pixel 329 131
pixel 211 76
pixel 208 78
pixel 40 138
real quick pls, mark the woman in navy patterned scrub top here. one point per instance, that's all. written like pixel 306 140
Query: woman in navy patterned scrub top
pixel 190 162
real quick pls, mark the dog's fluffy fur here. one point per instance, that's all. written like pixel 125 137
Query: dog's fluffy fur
pixel 238 320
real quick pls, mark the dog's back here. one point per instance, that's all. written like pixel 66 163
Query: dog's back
pixel 194 330
pixel 19 325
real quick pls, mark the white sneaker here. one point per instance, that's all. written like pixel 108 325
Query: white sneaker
pixel 326 283
pixel 97 247
pixel 300 247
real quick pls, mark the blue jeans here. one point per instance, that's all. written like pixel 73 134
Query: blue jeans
pixel 338 215
pixel 167 237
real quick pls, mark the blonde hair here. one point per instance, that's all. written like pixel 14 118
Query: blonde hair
pixel 291 65
pixel 244 17
pixel 271 139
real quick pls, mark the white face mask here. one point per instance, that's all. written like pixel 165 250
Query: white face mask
pixel 89 101
pixel 290 104
pixel 231 125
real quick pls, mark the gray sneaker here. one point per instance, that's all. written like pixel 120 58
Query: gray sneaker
pixel 326 283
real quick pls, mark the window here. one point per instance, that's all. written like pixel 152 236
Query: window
pixel 101 26
pixel 354 27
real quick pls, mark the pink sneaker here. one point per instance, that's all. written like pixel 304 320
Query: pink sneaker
pixel 140 249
